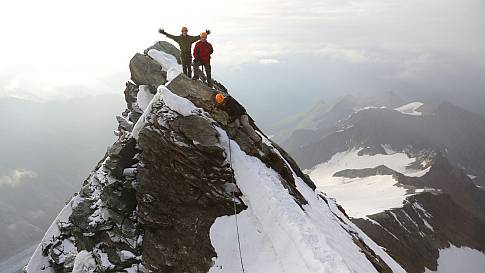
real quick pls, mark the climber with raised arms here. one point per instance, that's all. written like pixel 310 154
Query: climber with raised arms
pixel 185 41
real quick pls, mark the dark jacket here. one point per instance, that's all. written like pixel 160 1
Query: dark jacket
pixel 232 108
pixel 202 52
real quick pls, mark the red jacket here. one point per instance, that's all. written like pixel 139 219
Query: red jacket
pixel 203 51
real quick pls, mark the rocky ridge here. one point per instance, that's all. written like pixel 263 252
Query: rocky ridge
pixel 151 202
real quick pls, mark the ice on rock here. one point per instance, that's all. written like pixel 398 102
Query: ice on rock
pixel 178 104
pixel 142 120
pixel 168 62
pixel 84 263
pixel 143 97
pixel 126 255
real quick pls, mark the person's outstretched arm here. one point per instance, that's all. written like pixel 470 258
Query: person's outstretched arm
pixel 173 37
pixel 194 39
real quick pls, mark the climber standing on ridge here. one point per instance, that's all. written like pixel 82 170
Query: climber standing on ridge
pixel 185 42
pixel 202 57
pixel 238 116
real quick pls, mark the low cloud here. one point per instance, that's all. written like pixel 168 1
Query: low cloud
pixel 268 61
pixel 343 54
pixel 15 177
pixel 268 52
pixel 32 84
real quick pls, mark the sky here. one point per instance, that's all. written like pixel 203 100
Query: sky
pixel 306 48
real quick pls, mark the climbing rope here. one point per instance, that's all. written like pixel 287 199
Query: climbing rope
pixel 235 207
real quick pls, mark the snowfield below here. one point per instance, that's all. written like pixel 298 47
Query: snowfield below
pixel 365 196
pixel 460 259
pixel 411 109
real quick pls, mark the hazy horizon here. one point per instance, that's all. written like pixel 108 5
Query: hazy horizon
pixel 303 50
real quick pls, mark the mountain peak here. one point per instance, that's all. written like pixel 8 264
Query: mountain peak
pixel 182 185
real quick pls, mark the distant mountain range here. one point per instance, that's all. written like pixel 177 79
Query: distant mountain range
pixel 409 173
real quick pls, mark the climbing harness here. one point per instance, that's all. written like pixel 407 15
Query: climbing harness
pixel 235 207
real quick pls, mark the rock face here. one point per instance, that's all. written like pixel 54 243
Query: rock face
pixel 428 222
pixel 165 47
pixel 179 209
pixel 151 203
pixel 146 71
pixel 431 221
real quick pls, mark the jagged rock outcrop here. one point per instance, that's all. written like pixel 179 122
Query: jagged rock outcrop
pixel 452 214
pixel 359 173
pixel 153 202
pixel 178 210
pixel 427 223
pixel 146 71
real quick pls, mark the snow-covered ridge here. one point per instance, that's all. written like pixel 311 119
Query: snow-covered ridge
pixel 38 261
pixel 411 108
pixel 276 232
pixel 368 107
pixel 407 109
pixel 146 99
pixel 362 196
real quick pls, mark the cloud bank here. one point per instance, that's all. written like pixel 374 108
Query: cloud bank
pixel 15 177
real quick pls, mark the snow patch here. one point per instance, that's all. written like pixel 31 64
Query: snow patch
pixel 368 107
pixel 178 104
pixel 142 120
pixel 104 260
pixel 168 62
pixel 388 149
pixel 143 97
pixel 460 259
pixel 126 255
pixel 471 176
pixel 411 108
pixel 369 195
pixel 419 207
pixel 427 224
pixel 399 221
pixel 365 196
pixel 84 263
